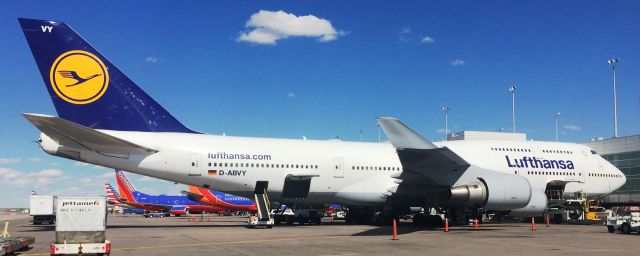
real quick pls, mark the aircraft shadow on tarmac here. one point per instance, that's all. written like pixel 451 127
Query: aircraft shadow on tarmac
pixel 40 228
pixel 407 229
pixel 172 226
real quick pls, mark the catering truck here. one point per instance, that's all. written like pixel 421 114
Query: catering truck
pixel 43 209
pixel 81 226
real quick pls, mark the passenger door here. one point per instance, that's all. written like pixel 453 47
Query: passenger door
pixel 195 163
pixel 338 167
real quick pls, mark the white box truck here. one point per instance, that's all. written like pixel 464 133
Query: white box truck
pixel 43 209
pixel 81 226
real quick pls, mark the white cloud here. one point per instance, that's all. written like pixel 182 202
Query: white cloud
pixel 41 178
pixel 442 130
pixel 152 59
pixel 10 160
pixel 291 95
pixel 35 159
pixel 571 127
pixel 54 164
pixel 106 175
pixel 405 35
pixel 147 178
pixel 75 191
pixel 457 62
pixel 267 27
pixel 427 40
pixel 80 164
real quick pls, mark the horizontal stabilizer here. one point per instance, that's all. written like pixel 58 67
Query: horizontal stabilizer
pixel 74 135
pixel 401 136
pixel 192 196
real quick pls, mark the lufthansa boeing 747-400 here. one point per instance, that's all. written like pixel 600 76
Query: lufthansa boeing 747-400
pixel 106 119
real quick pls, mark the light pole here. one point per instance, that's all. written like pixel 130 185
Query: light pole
pixel 613 63
pixel 557 115
pixel 446 122
pixel 512 89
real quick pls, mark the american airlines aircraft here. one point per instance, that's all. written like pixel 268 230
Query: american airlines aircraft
pixel 106 119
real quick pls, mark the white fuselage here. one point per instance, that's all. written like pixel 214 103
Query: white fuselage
pixel 350 173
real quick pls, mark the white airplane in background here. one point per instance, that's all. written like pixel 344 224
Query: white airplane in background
pixel 105 119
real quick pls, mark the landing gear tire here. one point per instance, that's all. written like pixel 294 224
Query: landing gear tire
pixel 625 228
pixel 611 229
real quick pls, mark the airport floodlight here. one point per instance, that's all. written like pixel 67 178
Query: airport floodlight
pixel 446 122
pixel 612 62
pixel 512 89
pixel 557 115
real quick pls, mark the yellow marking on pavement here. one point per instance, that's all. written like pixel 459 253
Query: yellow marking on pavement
pixel 204 244
pixel 223 243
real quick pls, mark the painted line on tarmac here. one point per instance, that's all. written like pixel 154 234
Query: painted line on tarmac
pixel 223 243
pixel 205 244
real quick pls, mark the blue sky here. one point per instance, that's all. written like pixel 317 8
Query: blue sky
pixel 376 58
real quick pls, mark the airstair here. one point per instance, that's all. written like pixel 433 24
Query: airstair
pixel 262 204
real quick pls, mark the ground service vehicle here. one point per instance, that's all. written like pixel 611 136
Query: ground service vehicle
pixel 81 226
pixel 298 213
pixel 43 209
pixel 624 219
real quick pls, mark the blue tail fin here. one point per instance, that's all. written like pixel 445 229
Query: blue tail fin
pixel 86 88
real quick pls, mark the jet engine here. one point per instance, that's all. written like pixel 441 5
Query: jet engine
pixel 494 191
pixel 537 205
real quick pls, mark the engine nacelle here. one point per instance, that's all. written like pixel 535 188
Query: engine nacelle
pixel 494 191
pixel 52 147
pixel 537 206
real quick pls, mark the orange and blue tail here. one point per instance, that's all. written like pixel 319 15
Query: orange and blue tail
pixel 126 188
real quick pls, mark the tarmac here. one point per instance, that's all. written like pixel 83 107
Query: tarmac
pixel 228 235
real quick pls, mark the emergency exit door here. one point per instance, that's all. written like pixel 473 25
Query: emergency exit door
pixel 195 168
pixel 338 167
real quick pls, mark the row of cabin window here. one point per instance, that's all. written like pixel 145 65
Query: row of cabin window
pixel 557 151
pixel 551 173
pixel 374 168
pixel 511 149
pixel 605 175
pixel 297 166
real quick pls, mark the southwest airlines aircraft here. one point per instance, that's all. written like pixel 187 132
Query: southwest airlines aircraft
pixel 176 205
pixel 106 119
pixel 220 199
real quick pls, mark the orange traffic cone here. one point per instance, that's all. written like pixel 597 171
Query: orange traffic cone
pixel 533 224
pixel 395 230
pixel 446 224
pixel 475 224
pixel 547 215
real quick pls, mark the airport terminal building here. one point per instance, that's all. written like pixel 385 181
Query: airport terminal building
pixel 624 153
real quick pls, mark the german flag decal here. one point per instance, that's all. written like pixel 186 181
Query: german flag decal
pixel 213 172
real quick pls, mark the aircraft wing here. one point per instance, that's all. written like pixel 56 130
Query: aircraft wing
pixel 149 206
pixel 426 168
pixel 192 196
pixel 74 135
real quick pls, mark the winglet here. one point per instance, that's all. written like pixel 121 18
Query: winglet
pixel 401 136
